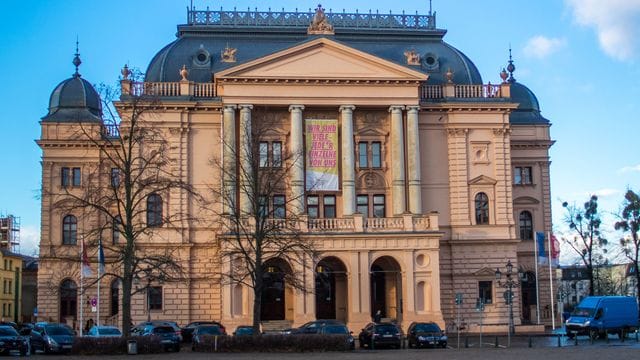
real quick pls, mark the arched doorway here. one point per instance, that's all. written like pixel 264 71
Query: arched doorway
pixel 386 288
pixel 68 300
pixel 273 304
pixel 529 299
pixel 331 289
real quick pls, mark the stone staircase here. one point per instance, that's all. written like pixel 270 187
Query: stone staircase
pixel 275 326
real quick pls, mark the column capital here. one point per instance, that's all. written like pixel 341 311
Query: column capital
pixel 346 107
pixel 296 108
pixel 413 108
pixel 394 108
pixel 229 107
pixel 245 106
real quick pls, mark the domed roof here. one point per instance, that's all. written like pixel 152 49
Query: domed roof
pixel 528 111
pixel 199 48
pixel 73 100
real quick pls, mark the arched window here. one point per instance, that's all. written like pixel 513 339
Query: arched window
pixel 526 226
pixel 482 209
pixel 69 230
pixel 115 296
pixel 154 210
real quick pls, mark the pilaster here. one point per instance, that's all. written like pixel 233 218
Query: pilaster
pixel 398 161
pixel 297 156
pixel 348 161
pixel 229 159
pixel 413 163
pixel 246 165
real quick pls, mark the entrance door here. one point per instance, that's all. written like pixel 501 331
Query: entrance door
pixel 378 292
pixel 273 300
pixel 528 291
pixel 68 300
pixel 325 295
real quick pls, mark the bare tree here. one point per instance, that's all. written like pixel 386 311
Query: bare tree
pixel 123 191
pixel 587 241
pixel 265 224
pixel 629 224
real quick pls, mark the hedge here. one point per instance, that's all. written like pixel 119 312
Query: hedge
pixel 115 345
pixel 273 343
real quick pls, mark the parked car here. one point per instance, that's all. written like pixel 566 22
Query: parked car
pixel 599 315
pixel 339 330
pixel 426 334
pixel 187 331
pixel 104 331
pixel 380 335
pixel 312 327
pixel 51 337
pixel 172 324
pixel 10 341
pixel 243 330
pixel 204 330
pixel 167 334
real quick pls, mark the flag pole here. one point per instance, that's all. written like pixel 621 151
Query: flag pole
pixel 553 313
pixel 535 261
pixel 98 299
pixel 81 283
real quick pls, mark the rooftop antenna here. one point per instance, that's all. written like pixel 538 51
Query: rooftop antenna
pixel 76 59
pixel 430 7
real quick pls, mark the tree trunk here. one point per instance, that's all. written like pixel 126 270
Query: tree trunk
pixel 257 302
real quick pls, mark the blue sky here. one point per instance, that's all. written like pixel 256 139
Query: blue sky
pixel 580 57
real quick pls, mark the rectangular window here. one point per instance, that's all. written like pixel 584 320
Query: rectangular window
pixel 485 291
pixel 362 155
pixel 264 154
pixel 115 231
pixel 65 176
pixel 76 176
pixel 378 206
pixel 154 297
pixel 329 206
pixel 9 309
pixel 276 149
pixel 115 177
pixel 376 155
pixel 362 205
pixel 312 206
pixel 522 175
pixel 263 207
pixel 10 290
pixel 279 207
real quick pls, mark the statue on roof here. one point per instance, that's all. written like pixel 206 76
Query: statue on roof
pixel 320 24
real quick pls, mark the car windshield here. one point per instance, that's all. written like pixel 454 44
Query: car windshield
pixel 587 312
pixel 209 330
pixel 386 329
pixel 336 329
pixel 244 331
pixel 431 328
pixel 109 331
pixel 58 330
pixel 163 330
pixel 7 331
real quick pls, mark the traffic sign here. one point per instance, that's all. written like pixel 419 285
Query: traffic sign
pixel 94 302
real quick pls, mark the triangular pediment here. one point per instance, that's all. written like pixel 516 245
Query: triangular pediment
pixel 322 58
pixel 482 180
pixel 485 272
pixel 371 132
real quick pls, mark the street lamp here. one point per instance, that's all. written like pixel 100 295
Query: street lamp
pixel 509 283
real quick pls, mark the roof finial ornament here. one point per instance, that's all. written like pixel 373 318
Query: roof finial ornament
pixel 320 24
pixel 511 68
pixel 76 60
pixel 430 8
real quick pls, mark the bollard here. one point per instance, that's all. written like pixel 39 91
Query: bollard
pixel 622 335
pixel 591 338
pixel 575 337
pixel 636 335
pixel 606 334
pixel 372 343
pixel 466 342
pixel 496 344
pixel 559 341
pixel 530 342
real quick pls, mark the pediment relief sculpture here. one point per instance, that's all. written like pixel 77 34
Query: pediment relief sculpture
pixel 412 57
pixel 228 55
pixel 320 24
pixel 372 180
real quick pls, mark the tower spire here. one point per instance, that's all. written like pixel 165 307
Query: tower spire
pixel 511 68
pixel 76 60
pixel 430 8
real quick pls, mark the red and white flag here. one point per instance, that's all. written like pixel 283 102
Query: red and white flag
pixel 555 251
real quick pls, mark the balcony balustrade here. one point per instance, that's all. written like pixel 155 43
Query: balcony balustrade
pixel 487 91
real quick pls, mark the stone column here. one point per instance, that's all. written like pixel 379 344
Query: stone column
pixel 229 176
pixel 397 160
pixel 348 162
pixel 246 170
pixel 297 156
pixel 413 160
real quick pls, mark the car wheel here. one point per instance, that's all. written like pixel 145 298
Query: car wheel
pixel 177 348
pixel 444 346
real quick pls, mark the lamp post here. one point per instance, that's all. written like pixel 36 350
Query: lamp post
pixel 509 283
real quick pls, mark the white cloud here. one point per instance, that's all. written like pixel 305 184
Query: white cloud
pixel 605 192
pixel 616 22
pixel 628 169
pixel 29 240
pixel 540 46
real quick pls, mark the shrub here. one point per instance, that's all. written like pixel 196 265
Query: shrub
pixel 274 343
pixel 115 345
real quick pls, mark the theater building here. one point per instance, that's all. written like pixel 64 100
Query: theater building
pixel 438 178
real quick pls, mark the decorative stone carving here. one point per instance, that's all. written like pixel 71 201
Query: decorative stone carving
pixel 480 152
pixel 413 58
pixel 184 73
pixel 228 55
pixel 320 24
pixel 372 180
pixel 125 72
pixel 457 132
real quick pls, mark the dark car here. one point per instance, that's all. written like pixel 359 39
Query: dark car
pixel 244 330
pixel 339 330
pixel 187 331
pixel 426 334
pixel 313 327
pixel 167 334
pixel 173 324
pixel 375 336
pixel 204 330
pixel 51 338
pixel 10 341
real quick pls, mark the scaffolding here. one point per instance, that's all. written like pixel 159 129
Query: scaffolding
pixel 9 232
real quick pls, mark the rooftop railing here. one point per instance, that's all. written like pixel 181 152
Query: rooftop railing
pixel 170 89
pixel 487 91
pixel 357 20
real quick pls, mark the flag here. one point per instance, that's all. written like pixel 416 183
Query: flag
pixel 555 251
pixel 86 266
pixel 542 256
pixel 100 257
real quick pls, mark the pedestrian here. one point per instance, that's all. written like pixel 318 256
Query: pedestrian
pixel 377 317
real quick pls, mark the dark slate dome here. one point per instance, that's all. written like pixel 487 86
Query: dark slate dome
pixel 73 100
pixel 528 111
